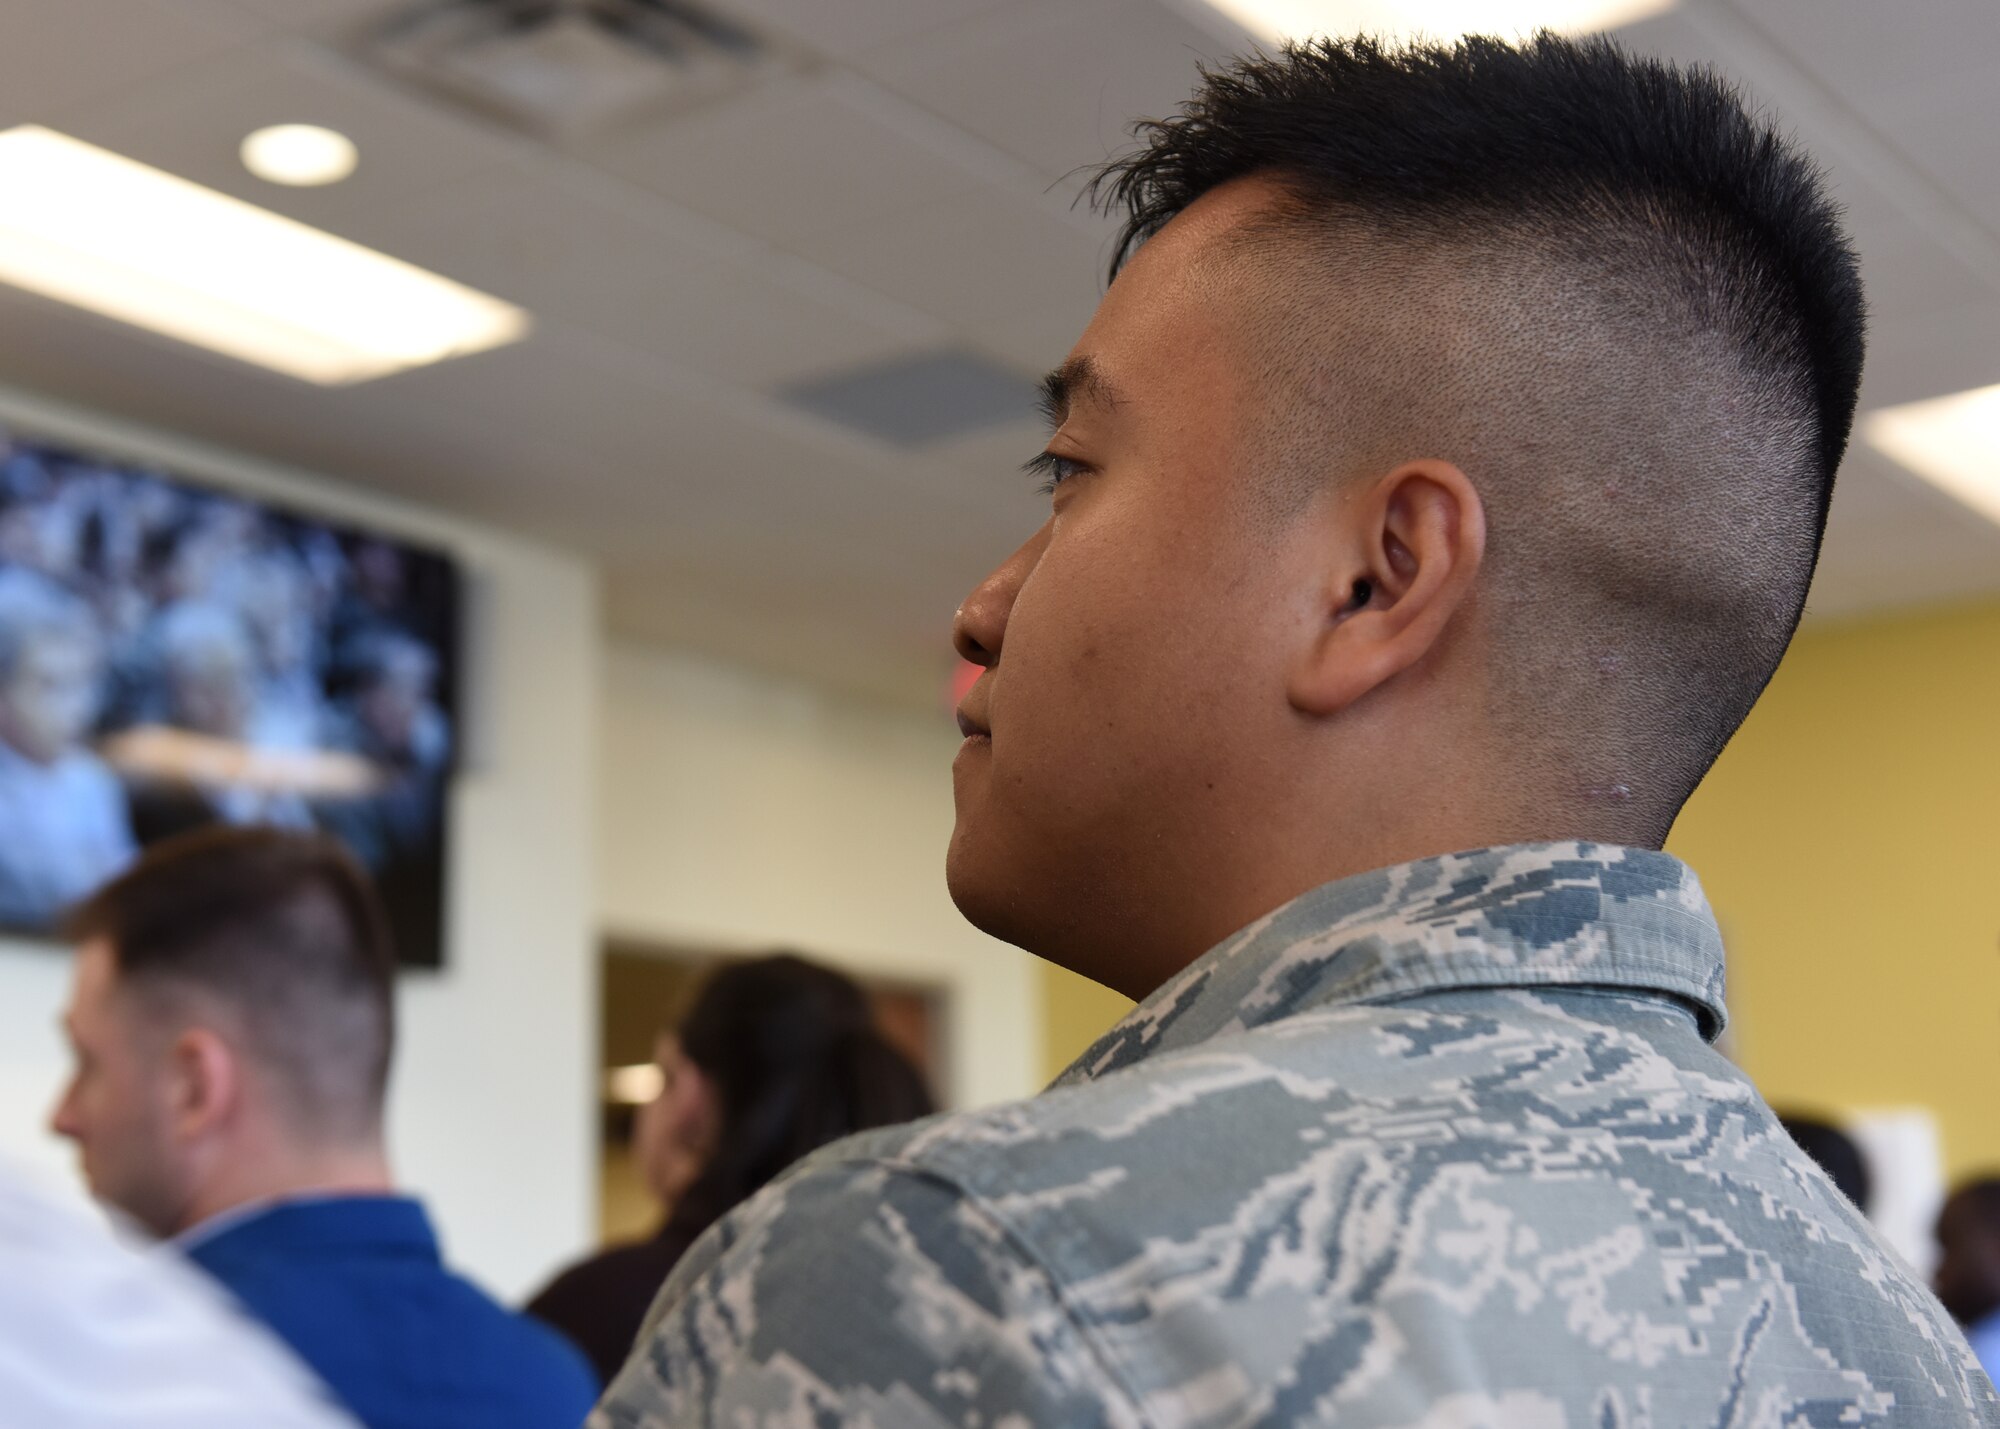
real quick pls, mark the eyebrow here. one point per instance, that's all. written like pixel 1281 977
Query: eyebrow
pixel 1078 380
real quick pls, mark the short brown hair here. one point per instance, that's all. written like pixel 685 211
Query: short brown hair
pixel 283 929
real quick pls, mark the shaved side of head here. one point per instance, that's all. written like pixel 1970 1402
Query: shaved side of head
pixel 1601 288
pixel 281 938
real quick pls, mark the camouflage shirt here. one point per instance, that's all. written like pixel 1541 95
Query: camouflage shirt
pixel 1442 1146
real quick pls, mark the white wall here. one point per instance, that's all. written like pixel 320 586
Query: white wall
pixel 491 1105
pixel 746 811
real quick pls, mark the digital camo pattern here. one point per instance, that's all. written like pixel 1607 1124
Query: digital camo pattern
pixel 1438 1147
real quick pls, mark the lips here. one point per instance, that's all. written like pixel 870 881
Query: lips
pixel 971 728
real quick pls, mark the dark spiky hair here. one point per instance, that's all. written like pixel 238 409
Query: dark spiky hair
pixel 1555 132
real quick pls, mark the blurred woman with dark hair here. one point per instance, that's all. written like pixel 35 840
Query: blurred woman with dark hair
pixel 777 1057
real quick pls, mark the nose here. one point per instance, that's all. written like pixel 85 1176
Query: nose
pixel 980 627
pixel 62 1120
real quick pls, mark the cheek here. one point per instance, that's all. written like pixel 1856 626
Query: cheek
pixel 688 1118
pixel 1078 641
pixel 647 1139
pixel 1128 649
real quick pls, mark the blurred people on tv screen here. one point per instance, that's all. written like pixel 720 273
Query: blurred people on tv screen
pixel 192 658
pixel 776 1058
pixel 391 718
pixel 209 689
pixel 232 1020
pixel 62 810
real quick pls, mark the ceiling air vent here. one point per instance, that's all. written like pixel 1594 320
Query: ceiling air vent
pixel 918 399
pixel 567 69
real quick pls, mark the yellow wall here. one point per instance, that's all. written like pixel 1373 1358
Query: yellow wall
pixel 1074 1011
pixel 1850 841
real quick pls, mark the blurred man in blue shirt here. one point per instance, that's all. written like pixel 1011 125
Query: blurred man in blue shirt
pixel 232 1020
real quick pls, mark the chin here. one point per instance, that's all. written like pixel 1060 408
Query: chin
pixel 978 890
pixel 959 876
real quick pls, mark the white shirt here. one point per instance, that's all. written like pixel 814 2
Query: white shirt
pixel 97 1335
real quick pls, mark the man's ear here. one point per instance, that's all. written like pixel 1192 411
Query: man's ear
pixel 1401 564
pixel 205 1082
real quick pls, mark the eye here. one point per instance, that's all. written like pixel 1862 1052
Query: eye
pixel 1054 470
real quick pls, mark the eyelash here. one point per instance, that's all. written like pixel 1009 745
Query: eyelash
pixel 1054 470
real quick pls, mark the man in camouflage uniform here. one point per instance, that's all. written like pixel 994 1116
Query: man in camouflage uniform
pixel 1445 471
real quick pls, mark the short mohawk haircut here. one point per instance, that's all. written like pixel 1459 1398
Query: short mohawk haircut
pixel 1555 132
pixel 1699 336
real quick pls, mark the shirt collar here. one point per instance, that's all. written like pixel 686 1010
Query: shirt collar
pixel 369 1224
pixel 1529 915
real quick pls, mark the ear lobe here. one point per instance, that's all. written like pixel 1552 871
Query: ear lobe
pixel 206 1082
pixel 1398 572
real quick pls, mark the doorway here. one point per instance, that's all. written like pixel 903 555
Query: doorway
pixel 646 987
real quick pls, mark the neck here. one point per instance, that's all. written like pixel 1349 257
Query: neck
pixel 359 1170
pixel 1273 871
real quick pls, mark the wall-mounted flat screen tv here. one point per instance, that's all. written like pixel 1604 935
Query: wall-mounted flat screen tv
pixel 173 656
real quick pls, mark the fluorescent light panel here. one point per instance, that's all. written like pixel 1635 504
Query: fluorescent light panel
pixel 1951 442
pixel 1432 19
pixel 86 226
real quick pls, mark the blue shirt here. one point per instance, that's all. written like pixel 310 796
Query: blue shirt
pixel 1441 1146
pixel 355 1285
pixel 1985 1338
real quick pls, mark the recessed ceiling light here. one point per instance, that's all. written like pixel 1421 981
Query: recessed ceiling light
pixel 1951 442
pixel 303 155
pixel 1432 19
pixel 86 226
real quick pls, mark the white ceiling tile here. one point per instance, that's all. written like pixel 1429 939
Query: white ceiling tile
pixel 1947 351
pixel 59 56
pixel 1058 85
pixel 1673 35
pixel 1945 126
pixel 856 26
pixel 655 469
pixel 1908 273
pixel 633 428
pixel 311 14
pixel 1893 541
pixel 982 257
pixel 234 18
pixel 788 160
pixel 1864 47
pixel 601 255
